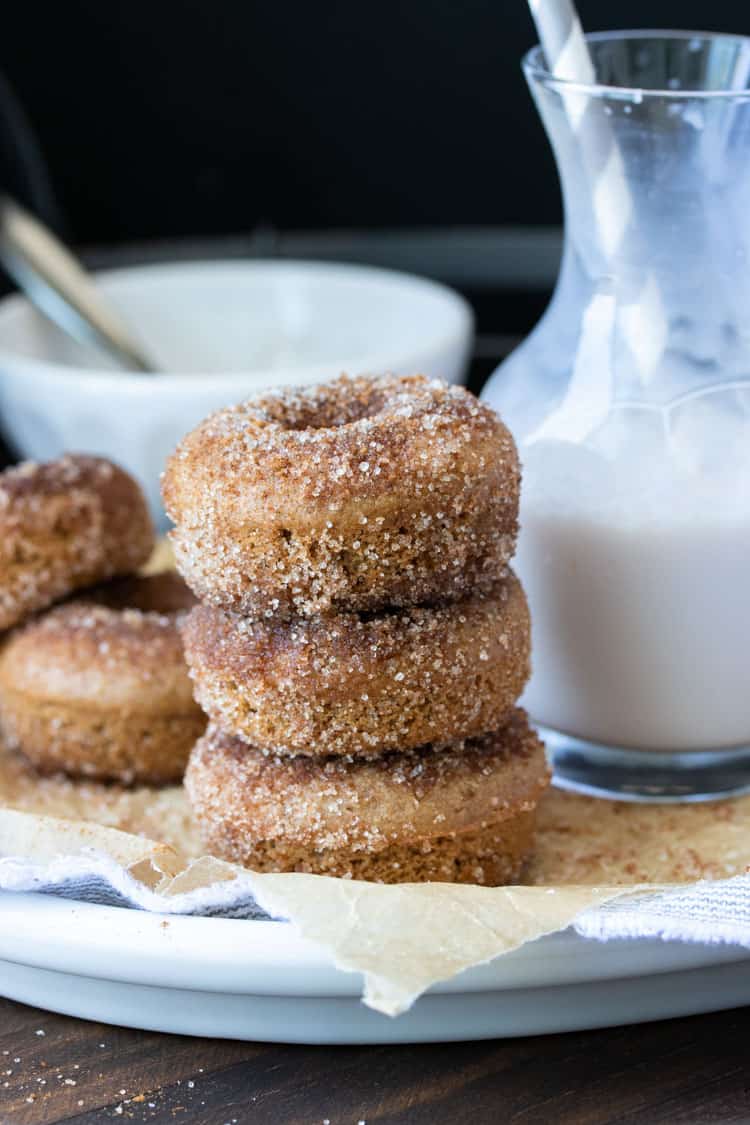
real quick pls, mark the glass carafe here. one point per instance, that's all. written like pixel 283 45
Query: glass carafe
pixel 630 403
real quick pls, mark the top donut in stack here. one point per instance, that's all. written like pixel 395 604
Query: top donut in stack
pixel 350 543
pixel 357 495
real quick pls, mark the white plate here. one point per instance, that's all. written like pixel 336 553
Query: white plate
pixel 260 980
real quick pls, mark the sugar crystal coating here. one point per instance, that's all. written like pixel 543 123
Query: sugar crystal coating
pixel 362 684
pixel 65 525
pixel 247 801
pixel 353 495
pixel 98 686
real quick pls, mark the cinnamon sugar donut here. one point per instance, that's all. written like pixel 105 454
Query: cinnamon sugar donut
pixel 350 496
pixel 353 684
pixel 65 525
pixel 462 814
pixel 98 687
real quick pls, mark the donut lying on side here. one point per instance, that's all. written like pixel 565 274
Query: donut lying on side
pixel 353 684
pixel 351 496
pixel 463 813
pixel 65 525
pixel 98 687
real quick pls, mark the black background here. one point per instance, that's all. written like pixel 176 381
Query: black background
pixel 185 117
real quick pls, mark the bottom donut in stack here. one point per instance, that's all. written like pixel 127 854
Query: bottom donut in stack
pixel 97 687
pixel 462 813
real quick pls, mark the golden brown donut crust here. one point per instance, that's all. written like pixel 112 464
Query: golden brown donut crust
pixel 63 526
pixel 98 687
pixel 380 818
pixel 350 496
pixel 494 857
pixel 352 684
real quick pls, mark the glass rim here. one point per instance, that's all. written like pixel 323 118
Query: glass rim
pixel 535 66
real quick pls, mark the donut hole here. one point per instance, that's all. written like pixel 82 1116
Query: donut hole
pixel 324 409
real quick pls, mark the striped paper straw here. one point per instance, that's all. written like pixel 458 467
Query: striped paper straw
pixel 643 322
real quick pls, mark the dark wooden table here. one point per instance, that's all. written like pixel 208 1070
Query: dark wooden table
pixel 55 1069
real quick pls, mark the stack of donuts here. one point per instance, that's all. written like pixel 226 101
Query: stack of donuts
pixel 95 686
pixel 360 643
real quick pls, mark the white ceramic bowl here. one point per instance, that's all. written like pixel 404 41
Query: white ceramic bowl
pixel 219 330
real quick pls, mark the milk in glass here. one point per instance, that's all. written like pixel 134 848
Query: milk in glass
pixel 630 403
